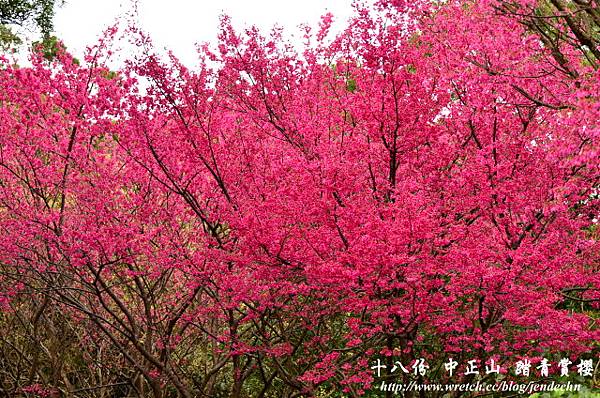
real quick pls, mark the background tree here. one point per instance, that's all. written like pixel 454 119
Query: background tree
pixel 561 25
pixel 36 14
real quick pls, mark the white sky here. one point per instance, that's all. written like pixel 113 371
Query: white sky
pixel 179 24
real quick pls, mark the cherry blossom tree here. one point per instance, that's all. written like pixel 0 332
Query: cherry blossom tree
pixel 422 186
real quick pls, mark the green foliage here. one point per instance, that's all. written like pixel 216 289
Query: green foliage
pixel 351 85
pixel 27 13
pixel 109 74
pixel 50 47
pixel 559 22
pixel 8 39
pixel 22 12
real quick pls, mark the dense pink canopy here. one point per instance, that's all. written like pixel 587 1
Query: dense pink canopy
pixel 424 185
